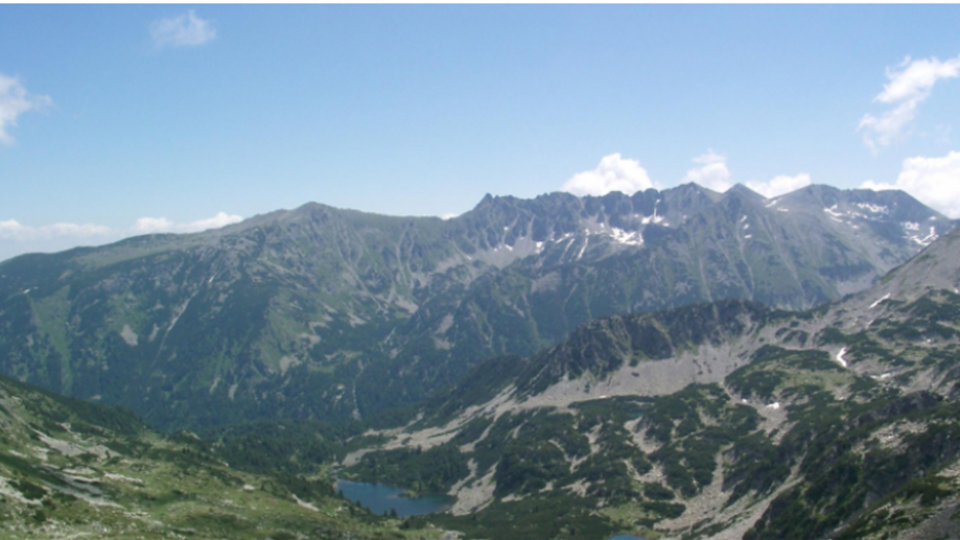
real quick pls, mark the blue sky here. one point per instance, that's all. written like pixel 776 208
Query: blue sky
pixel 117 120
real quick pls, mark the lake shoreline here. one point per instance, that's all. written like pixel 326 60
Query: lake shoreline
pixel 383 498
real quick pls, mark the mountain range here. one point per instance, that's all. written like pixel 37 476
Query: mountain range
pixel 337 314
pixel 676 365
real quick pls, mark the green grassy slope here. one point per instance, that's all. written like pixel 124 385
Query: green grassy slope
pixel 70 469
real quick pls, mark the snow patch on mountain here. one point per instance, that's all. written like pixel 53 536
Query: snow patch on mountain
pixel 923 240
pixel 655 219
pixel 875 208
pixel 625 237
pixel 877 303
pixel 839 357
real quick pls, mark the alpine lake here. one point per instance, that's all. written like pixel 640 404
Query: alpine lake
pixel 381 498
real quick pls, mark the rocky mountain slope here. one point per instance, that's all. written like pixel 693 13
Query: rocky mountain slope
pixel 70 469
pixel 337 314
pixel 724 420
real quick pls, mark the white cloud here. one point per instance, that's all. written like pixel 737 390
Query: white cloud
pixel 149 225
pixel 13 230
pixel 14 101
pixel 614 173
pixel 780 185
pixel 183 31
pixel 908 87
pixel 712 173
pixel 222 219
pixel 932 181
pixel 17 238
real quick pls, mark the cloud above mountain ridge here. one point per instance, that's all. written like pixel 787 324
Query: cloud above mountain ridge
pixel 614 173
pixel 712 172
pixel 17 238
pixel 933 181
pixel 780 185
pixel 148 225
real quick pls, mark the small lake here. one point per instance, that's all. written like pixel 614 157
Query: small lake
pixel 380 498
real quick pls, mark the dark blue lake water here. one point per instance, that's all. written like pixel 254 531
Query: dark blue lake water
pixel 381 498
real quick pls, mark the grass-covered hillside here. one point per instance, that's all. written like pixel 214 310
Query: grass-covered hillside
pixel 71 469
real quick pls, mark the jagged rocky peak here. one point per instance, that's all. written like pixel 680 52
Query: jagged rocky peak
pixel 504 219
pixel 742 192
pixel 614 218
pixel 739 202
